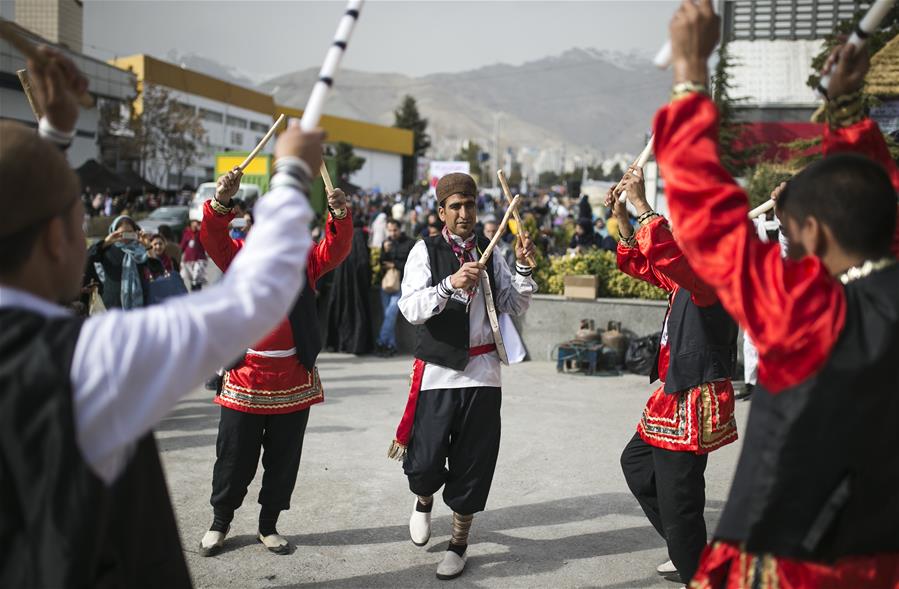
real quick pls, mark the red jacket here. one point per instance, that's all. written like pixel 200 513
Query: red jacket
pixel 265 384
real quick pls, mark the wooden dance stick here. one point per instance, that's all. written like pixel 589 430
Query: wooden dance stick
pixel 262 143
pixel 502 180
pixel 762 209
pixel 500 230
pixel 867 26
pixel 638 163
pixel 316 103
pixel 26 87
pixel 9 34
pixel 326 178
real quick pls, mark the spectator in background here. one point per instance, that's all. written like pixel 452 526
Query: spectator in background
pixel 121 266
pixel 349 309
pixel 193 258
pixel 394 252
pixel 172 249
pixel 608 243
pixel 107 204
pixel 434 229
pixel 157 251
pixel 378 230
pixel 398 211
pixel 584 237
pixel 502 248
pixel 584 210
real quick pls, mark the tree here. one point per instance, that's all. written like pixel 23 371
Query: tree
pixel 471 153
pixel 179 137
pixel 347 161
pixel 408 117
pixel 734 158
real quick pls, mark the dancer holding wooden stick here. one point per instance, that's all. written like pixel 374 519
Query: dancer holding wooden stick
pixel 454 402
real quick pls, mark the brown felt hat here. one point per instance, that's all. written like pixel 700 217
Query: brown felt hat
pixel 456 183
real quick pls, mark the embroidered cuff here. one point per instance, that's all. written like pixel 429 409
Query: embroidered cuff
pixel 523 269
pixel 47 131
pixel 335 215
pixel 444 289
pixel 293 161
pixel 219 208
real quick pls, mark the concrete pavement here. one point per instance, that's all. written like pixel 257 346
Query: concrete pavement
pixel 559 515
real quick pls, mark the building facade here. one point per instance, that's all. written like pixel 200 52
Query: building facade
pixel 236 118
pixel 105 82
pixel 59 21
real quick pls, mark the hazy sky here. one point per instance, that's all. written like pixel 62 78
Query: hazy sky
pixel 265 38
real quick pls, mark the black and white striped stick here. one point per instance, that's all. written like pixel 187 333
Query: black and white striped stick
pixel 867 26
pixel 313 111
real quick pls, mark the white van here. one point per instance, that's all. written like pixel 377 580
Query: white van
pixel 248 193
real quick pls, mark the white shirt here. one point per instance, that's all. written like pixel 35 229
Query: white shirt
pixel 420 301
pixel 130 367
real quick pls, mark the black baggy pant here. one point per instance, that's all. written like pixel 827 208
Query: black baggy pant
pixel 454 445
pixel 670 487
pixel 241 437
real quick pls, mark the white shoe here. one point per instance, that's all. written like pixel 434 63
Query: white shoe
pixel 420 525
pixel 666 568
pixel 275 543
pixel 212 543
pixel 451 567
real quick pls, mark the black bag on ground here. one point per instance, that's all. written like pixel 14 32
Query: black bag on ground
pixel 641 353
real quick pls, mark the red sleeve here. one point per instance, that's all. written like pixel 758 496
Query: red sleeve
pixel 332 249
pixel 793 311
pixel 632 262
pixel 215 238
pixel 865 138
pixel 669 264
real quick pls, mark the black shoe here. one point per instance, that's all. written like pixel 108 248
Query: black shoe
pixel 214 383
pixel 745 393
pixel 390 352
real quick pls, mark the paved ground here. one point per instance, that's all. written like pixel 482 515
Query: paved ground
pixel 559 515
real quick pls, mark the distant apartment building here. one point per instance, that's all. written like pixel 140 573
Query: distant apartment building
pixel 236 118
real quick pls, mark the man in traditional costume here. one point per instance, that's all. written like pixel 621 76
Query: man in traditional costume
pixel 692 412
pixel 813 503
pixel 83 500
pixel 265 398
pixel 450 432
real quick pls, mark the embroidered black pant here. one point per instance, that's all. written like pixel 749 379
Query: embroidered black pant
pixel 241 437
pixel 454 445
pixel 670 487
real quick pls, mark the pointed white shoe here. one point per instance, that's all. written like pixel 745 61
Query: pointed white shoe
pixel 275 543
pixel 212 543
pixel 420 525
pixel 451 567
pixel 666 568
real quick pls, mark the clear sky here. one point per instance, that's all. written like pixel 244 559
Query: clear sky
pixel 264 38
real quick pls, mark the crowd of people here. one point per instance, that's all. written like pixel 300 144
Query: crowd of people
pixel 812 504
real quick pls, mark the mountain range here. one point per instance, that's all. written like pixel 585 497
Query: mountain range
pixel 584 103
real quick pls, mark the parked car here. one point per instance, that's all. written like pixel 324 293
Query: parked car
pixel 248 193
pixel 175 217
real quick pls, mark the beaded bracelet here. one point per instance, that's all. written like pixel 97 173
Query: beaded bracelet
pixel 846 110
pixel 219 208
pixel 684 89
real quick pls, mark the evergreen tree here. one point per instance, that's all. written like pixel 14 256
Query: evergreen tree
pixel 471 153
pixel 408 117
pixel 734 158
pixel 347 160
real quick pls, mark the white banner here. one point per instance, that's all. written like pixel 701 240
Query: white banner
pixel 438 170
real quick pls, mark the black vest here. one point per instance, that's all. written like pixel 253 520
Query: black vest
pixel 702 344
pixel 60 526
pixel 817 477
pixel 303 319
pixel 444 339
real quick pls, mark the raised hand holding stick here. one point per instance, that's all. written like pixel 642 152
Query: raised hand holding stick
pixel 485 257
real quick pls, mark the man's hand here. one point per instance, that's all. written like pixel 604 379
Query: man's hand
pixel 695 29
pixel 848 65
pixel 524 248
pixel 57 84
pixel 775 194
pixel 467 276
pixel 302 144
pixel 337 200
pixel 635 187
pixel 227 186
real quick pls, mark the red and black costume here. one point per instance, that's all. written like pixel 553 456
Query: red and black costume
pixel 265 398
pixel 813 503
pixel 692 412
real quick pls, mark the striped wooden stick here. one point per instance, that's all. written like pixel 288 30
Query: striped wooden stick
pixel 262 143
pixel 316 103
pixel 26 87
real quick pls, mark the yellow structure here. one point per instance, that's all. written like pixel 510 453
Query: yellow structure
pixel 357 133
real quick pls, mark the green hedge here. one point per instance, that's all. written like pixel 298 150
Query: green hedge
pixel 613 283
